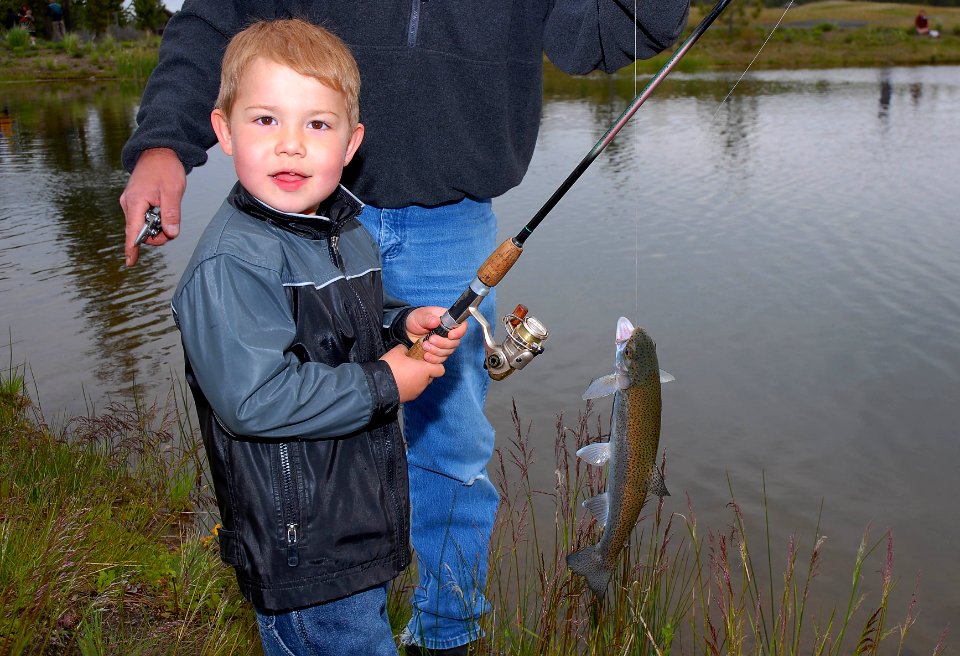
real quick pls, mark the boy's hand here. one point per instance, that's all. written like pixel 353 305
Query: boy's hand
pixel 412 376
pixel 436 349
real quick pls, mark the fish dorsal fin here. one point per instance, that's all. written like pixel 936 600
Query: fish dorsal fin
pixel 599 507
pixel 665 377
pixel 596 453
pixel 655 484
pixel 602 386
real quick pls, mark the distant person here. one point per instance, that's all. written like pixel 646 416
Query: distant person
pixel 923 25
pixel 27 23
pixel 10 20
pixel 55 20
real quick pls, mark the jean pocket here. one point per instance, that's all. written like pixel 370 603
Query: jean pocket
pixel 272 636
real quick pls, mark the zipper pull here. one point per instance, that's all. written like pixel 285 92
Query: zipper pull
pixel 293 556
pixel 334 248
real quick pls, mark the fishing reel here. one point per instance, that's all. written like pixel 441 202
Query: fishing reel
pixel 524 342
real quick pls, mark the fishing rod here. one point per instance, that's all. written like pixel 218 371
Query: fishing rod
pixel 525 334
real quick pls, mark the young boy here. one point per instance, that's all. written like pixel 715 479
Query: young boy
pixel 285 327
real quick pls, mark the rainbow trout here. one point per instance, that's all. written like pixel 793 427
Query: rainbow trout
pixel 631 451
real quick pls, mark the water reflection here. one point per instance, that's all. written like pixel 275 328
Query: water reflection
pixel 916 92
pixel 62 179
pixel 886 92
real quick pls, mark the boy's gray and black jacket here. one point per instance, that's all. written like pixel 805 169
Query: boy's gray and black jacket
pixel 283 319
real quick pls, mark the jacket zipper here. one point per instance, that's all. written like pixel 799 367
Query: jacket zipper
pixel 387 443
pixel 288 490
pixel 414 26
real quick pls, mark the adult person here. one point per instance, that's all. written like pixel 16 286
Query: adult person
pixel 10 20
pixel 55 20
pixel 26 22
pixel 451 103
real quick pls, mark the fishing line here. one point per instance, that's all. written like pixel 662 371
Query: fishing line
pixel 636 211
pixel 755 57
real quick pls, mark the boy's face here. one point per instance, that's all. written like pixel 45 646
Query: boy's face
pixel 289 136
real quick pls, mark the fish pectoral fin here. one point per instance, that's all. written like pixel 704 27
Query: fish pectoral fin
pixel 656 485
pixel 666 377
pixel 602 386
pixel 599 507
pixel 596 453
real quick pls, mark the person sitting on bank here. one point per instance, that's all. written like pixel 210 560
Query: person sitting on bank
pixel 922 25
pixel 287 334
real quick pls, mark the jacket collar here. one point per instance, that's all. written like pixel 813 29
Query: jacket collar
pixel 333 213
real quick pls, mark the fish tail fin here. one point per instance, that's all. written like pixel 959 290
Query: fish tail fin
pixel 587 563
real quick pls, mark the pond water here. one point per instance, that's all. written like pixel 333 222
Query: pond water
pixel 794 250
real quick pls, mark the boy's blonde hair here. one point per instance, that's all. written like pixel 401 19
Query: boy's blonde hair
pixel 306 49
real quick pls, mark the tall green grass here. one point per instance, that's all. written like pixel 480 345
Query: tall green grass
pixel 679 588
pixel 100 548
pixel 17 39
pixel 103 551
pixel 136 64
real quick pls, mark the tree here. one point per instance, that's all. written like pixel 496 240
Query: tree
pixel 150 14
pixel 96 15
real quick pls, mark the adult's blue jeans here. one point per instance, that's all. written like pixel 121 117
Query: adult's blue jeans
pixel 430 256
pixel 354 626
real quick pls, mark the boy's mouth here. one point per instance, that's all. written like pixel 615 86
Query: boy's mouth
pixel 289 180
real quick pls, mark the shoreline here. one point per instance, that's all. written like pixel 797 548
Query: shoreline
pixel 824 34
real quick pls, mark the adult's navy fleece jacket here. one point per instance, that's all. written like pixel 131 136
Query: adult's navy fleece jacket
pixel 451 90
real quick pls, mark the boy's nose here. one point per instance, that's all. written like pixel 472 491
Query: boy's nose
pixel 290 142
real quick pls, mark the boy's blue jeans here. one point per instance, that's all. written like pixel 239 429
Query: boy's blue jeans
pixel 355 626
pixel 430 256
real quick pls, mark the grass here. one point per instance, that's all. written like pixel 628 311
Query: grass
pixel 75 58
pixel 823 34
pixel 101 551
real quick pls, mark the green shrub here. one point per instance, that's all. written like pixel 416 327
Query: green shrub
pixel 136 64
pixel 106 45
pixel 18 39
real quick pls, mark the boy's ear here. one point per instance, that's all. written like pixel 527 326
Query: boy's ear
pixel 354 143
pixel 222 127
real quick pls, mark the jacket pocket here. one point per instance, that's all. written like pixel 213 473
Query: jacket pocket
pixel 230 551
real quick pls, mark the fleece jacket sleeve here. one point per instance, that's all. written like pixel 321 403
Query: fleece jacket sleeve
pixel 585 35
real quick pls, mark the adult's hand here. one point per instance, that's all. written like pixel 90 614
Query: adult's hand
pixel 157 180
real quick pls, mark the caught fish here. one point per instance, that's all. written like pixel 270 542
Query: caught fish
pixel 631 452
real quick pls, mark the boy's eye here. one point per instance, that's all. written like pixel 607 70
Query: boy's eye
pixel 265 120
pixel 318 125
